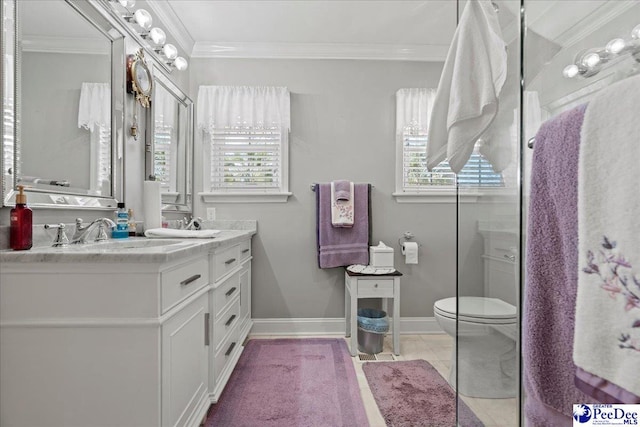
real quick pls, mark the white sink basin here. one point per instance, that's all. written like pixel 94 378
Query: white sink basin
pixel 117 245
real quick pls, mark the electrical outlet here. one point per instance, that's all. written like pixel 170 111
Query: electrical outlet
pixel 211 214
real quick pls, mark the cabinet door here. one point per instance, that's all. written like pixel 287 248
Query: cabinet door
pixel 245 293
pixel 184 362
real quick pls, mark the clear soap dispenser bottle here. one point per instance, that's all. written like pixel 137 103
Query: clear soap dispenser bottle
pixel 21 218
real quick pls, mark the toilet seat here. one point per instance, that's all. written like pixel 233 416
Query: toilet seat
pixel 477 310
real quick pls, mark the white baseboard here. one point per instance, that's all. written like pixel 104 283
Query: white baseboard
pixel 334 326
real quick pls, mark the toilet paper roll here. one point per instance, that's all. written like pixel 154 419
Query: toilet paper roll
pixel 410 252
pixel 152 205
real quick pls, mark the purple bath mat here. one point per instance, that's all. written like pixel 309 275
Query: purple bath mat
pixel 412 393
pixel 291 382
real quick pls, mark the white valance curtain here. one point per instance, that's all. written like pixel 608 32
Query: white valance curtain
pixel 221 107
pixel 95 106
pixel 413 110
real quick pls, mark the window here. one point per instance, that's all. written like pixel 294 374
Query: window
pixel 476 173
pixel 246 158
pixel 246 132
pixel 413 110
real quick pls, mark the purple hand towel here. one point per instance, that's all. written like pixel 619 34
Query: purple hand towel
pixel 551 273
pixel 339 247
pixel 342 190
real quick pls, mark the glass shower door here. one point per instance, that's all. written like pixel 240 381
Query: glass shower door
pixel 487 378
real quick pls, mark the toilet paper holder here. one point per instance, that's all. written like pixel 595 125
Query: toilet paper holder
pixel 406 237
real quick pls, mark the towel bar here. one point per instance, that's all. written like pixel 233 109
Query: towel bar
pixel 313 186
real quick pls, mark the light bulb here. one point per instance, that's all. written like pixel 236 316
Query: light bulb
pixel 170 51
pixel 143 18
pixel 127 3
pixel 180 63
pixel 570 71
pixel 157 36
pixel 616 46
pixel 591 60
pixel 635 33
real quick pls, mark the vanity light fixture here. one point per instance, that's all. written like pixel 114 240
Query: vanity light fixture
pixel 158 38
pixel 180 63
pixel 170 51
pixel 590 62
pixel 152 39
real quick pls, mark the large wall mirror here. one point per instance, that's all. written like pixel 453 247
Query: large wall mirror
pixel 63 75
pixel 169 143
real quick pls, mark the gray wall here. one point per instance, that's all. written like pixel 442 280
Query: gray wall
pixel 51 139
pixel 343 121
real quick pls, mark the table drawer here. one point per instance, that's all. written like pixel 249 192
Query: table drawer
pixel 368 288
pixel 225 261
pixel 182 281
pixel 225 293
pixel 245 249
pixel 227 349
pixel 225 323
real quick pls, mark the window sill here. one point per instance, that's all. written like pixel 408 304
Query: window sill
pixel 245 197
pixel 429 196
pixel 450 195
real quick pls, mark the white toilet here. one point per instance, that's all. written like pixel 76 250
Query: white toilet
pixel 486 344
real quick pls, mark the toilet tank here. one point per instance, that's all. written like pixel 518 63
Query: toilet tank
pixel 500 261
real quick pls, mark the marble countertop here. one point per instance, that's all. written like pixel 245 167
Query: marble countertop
pixel 130 250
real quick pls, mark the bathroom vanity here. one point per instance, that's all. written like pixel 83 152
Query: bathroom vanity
pixel 141 332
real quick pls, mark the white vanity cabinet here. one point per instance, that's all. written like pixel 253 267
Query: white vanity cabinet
pixel 125 341
pixel 231 311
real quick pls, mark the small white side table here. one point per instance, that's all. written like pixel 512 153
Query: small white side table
pixel 383 286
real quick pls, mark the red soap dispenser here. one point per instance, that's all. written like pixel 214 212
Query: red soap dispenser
pixel 20 234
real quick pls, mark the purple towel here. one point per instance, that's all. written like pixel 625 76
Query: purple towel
pixel 339 247
pixel 552 273
pixel 342 190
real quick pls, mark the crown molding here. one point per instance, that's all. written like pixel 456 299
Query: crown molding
pixel 594 22
pixel 173 25
pixel 434 53
pixel 71 45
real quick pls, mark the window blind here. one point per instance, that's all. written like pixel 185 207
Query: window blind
pixel 476 173
pixel 246 158
pixel 162 155
pixel 104 155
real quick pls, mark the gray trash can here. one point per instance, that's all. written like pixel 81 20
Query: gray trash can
pixel 373 324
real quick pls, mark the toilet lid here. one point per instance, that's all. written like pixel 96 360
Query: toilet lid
pixel 477 307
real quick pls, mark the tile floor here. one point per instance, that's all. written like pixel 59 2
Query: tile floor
pixel 436 349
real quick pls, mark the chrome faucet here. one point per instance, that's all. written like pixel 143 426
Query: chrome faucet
pixel 82 231
pixel 194 224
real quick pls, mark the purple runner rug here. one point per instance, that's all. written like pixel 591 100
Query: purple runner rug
pixel 291 382
pixel 413 393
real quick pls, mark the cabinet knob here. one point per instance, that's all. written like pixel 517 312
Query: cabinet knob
pixel 375 286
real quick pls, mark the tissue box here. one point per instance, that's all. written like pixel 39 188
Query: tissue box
pixel 381 256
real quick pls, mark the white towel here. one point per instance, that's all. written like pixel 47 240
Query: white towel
pixel 180 234
pixel 467 98
pixel 607 332
pixel 342 210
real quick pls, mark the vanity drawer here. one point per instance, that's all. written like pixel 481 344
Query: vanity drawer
pixel 182 281
pixel 244 249
pixel 375 288
pixel 225 261
pixel 225 323
pixel 225 293
pixel 225 354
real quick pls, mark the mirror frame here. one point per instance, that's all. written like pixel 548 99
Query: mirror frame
pixel 168 203
pixel 47 198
